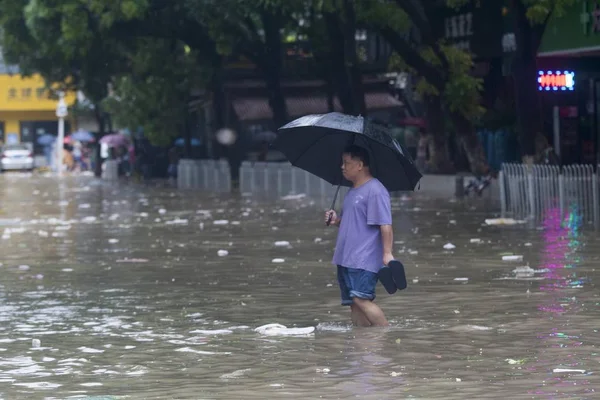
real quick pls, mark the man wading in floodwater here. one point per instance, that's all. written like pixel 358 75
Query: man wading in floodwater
pixel 364 242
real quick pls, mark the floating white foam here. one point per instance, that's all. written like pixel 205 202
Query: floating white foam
pixel 512 258
pixel 449 246
pixel 282 330
pixel 212 331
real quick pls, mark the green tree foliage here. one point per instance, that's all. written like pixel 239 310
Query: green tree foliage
pixel 156 92
pixel 412 27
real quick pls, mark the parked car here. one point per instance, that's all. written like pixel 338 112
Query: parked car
pixel 16 157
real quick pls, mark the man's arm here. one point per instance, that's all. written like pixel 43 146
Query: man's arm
pixel 387 239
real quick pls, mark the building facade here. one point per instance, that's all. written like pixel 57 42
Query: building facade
pixel 27 110
pixel 569 80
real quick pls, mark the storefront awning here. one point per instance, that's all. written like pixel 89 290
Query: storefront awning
pixel 257 108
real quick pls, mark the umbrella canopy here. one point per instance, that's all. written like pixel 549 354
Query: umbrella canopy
pixel 181 142
pixel 46 139
pixel 315 143
pixel 115 140
pixel 82 136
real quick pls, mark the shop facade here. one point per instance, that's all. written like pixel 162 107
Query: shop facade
pixel 27 110
pixel 569 82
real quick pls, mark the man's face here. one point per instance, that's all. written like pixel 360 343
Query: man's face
pixel 351 167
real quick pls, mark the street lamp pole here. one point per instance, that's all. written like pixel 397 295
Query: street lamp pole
pixel 61 113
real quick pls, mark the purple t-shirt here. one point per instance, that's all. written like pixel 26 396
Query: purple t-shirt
pixel 359 242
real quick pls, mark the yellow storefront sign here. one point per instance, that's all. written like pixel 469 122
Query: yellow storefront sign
pixel 25 100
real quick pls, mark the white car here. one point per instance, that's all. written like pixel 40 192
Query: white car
pixel 16 157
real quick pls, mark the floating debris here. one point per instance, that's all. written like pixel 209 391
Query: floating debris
pixel 512 258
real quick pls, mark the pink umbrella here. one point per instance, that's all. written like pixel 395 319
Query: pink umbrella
pixel 115 140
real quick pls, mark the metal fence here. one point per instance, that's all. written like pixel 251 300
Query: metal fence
pixel 204 174
pixel 529 192
pixel 283 179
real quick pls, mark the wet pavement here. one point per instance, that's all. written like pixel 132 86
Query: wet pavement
pixel 111 291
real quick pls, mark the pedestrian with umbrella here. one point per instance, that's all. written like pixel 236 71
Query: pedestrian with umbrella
pixel 356 152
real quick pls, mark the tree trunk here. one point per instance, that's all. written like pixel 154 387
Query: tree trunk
pixel 235 152
pixel 347 77
pixel 472 145
pixel 353 73
pixel 439 160
pixel 529 111
pixel 101 120
pixel 271 65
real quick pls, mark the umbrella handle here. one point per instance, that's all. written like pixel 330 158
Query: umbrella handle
pixel 333 205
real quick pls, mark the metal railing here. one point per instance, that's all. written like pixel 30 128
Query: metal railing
pixel 204 174
pixel 529 192
pixel 283 179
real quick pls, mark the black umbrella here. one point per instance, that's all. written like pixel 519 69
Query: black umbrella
pixel 315 143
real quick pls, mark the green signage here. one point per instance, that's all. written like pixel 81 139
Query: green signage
pixel 577 30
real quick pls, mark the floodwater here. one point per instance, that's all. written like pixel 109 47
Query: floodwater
pixel 125 290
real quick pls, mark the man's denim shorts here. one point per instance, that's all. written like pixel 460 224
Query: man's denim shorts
pixel 356 283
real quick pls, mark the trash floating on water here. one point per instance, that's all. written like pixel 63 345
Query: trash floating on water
pixel 235 374
pixel 235 223
pixel 278 260
pixel 212 331
pixel 282 330
pixel 524 272
pixel 84 349
pixel 113 241
pixel 559 370
pixel 222 253
pixel 23 267
pixel 282 243
pixel 323 370
pixel 515 362
pixel 475 240
pixel 177 221
pixel 162 211
pixel 449 246
pixel 512 258
pixel 67 270
pixel 461 279
pixel 36 343
pixel 132 260
pixel 503 221
pixel 318 240
pixel 294 196
pixel 221 222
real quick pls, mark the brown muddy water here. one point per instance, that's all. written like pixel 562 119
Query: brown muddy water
pixel 110 292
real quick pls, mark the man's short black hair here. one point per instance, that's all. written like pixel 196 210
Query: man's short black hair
pixel 358 153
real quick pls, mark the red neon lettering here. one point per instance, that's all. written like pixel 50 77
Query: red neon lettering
pixel 553 80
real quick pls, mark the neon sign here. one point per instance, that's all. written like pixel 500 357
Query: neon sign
pixel 556 80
